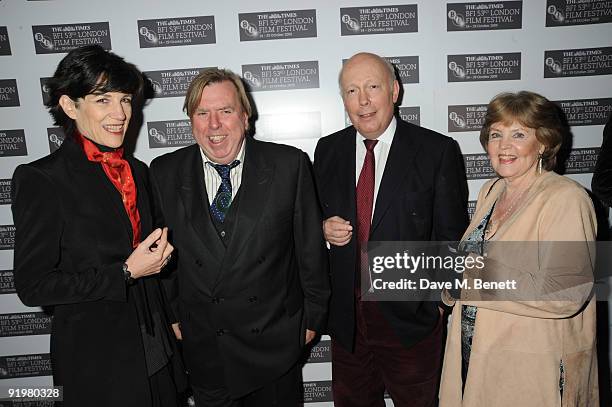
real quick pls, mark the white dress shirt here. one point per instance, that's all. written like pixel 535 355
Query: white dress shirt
pixel 381 153
pixel 212 179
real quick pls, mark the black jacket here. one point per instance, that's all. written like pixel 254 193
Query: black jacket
pixel 244 309
pixel 72 237
pixel 422 197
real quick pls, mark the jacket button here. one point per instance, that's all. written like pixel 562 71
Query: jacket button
pixel 253 299
pixel 255 330
pixel 220 332
pixel 198 263
pixel 215 300
pixel 222 233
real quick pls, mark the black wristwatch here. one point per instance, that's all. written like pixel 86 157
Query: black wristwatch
pixel 126 274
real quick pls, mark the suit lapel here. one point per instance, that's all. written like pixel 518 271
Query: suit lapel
pixel 346 171
pixel 195 199
pixel 98 186
pixel 399 162
pixel 254 192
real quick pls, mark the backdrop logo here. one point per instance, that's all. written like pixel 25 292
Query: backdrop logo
pixel 572 12
pixel 252 78
pixel 21 324
pixel 277 25
pixel 172 82
pixel 12 143
pixel 172 133
pixel 282 75
pixel 49 39
pixel 586 112
pixel 5 191
pixel 44 41
pixel 352 24
pixel 249 30
pixel 582 160
pixel 44 89
pixel 7 237
pixel 5 44
pixel 289 126
pixel 317 391
pixel 478 166
pixel 56 137
pixel 411 114
pixel 407 67
pixel 458 20
pixel 9 95
pixel 320 353
pixel 554 14
pixel 148 36
pixel 401 18
pixel 471 207
pixel 466 117
pixel 173 32
pixel 17 366
pixel 457 70
pixel 553 66
pixel 578 62
pixel 7 282
pixel 496 15
pixel 484 67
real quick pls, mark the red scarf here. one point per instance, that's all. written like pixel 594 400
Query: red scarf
pixel 119 173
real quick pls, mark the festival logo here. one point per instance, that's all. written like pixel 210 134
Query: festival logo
pixel 495 15
pixel 277 25
pixel 282 75
pixel 572 12
pixel 401 18
pixel 578 62
pixel 52 39
pixel 484 67
pixel 9 95
pixel 178 31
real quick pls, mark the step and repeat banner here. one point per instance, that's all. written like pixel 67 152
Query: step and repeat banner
pixel 452 58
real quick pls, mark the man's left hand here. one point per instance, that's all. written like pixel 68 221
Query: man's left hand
pixel 309 336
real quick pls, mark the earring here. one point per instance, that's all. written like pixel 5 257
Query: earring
pixel 539 163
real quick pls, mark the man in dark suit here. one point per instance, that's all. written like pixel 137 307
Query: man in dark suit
pixel 383 179
pixel 252 278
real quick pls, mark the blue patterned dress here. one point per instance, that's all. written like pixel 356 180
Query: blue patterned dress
pixel 475 243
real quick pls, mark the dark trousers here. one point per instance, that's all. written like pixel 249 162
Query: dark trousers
pixel 379 361
pixel 282 392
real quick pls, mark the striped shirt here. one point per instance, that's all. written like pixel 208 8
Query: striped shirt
pixel 212 179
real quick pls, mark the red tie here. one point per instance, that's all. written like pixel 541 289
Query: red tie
pixel 365 202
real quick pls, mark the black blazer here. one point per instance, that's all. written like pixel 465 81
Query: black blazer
pixel 72 237
pixel 422 197
pixel 243 310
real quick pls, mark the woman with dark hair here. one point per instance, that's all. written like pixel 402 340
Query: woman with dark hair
pixel 531 342
pixel 85 243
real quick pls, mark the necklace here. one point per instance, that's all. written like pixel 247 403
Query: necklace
pixel 509 210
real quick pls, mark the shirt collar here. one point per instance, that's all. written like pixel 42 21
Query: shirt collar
pixel 387 136
pixel 239 157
